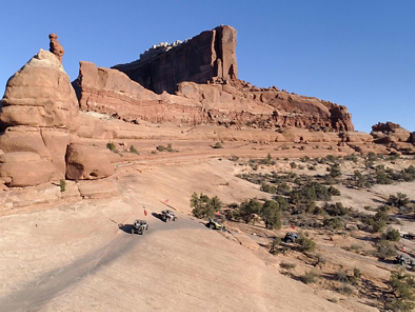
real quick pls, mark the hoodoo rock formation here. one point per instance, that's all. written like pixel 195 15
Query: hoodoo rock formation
pixel 208 56
pixel 40 117
pixel 55 47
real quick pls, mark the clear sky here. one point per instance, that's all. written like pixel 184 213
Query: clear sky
pixel 358 53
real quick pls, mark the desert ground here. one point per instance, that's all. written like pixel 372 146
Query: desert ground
pixel 75 256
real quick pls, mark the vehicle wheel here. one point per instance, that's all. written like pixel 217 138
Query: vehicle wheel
pixel 211 226
pixel 132 231
pixel 140 232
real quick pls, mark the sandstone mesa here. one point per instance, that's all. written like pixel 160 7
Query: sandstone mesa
pixel 50 131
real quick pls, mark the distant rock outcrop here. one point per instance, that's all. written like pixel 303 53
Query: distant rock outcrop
pixel 208 56
pixel 392 135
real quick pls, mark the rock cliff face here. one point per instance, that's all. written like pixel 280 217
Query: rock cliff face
pixel 40 117
pixel 233 102
pixel 210 55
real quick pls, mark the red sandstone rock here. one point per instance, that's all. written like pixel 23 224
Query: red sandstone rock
pixel 88 162
pixel 24 169
pixel 389 132
pixel 210 55
pixel 55 47
pixel 39 113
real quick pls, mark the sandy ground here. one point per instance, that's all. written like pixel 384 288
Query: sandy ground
pixel 73 257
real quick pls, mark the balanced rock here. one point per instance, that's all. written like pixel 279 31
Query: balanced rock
pixel 88 162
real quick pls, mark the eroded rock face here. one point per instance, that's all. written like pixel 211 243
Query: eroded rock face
pixel 88 162
pixel 39 114
pixel 389 132
pixel 25 168
pixel 235 102
pixel 210 55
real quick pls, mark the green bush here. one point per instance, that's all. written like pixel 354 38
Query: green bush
pixel 287 266
pixel 167 148
pixel 334 223
pixel 248 209
pixel 274 246
pixel 382 176
pixel 217 145
pixel 293 165
pixel 133 150
pixel 336 209
pixel 268 188
pixel 335 171
pixel 398 200
pixel 306 244
pixel 385 250
pixel 62 185
pixel 112 148
pixel 203 206
pixel 283 188
pixel 403 291
pixel 271 214
pixel 309 277
pixel 392 235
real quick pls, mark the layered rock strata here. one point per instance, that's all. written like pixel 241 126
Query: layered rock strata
pixel 210 55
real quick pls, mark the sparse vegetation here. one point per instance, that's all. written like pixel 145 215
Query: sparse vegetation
pixel 309 277
pixel 62 185
pixel 203 206
pixel 402 292
pixel 306 244
pixel 217 145
pixel 134 150
pixel 112 148
pixel 167 148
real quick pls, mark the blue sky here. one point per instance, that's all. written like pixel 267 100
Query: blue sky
pixel 358 53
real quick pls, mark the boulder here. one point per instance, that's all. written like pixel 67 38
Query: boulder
pixel 88 162
pixel 25 168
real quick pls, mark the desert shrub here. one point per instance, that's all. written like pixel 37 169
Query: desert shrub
pixel 408 174
pixel 398 200
pixel 306 244
pixel 336 209
pixel 268 160
pixel 62 185
pixel 334 223
pixel 311 167
pixel 282 202
pixel 351 158
pixel 371 156
pixel 274 246
pixel 287 266
pixel 112 148
pixel 167 148
pixel 309 277
pixel 268 188
pixel 345 290
pixel 283 188
pixel 271 214
pixel 356 273
pixel 377 222
pixel 335 171
pixel 360 180
pixel 248 209
pixel 403 290
pixel 333 191
pixel 310 192
pixel 217 145
pixel 203 206
pixel 331 158
pixel 385 249
pixel 133 150
pixel 391 235
pixel 293 165
pixel 382 176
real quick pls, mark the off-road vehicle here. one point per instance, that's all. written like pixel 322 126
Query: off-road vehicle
pixel 405 261
pixel 167 215
pixel 291 237
pixel 139 226
pixel 215 224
